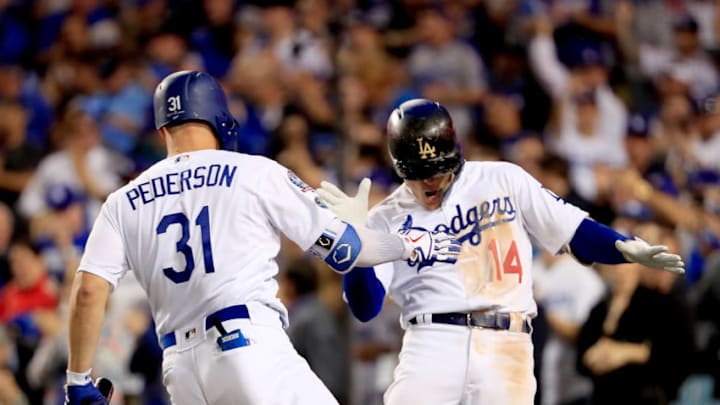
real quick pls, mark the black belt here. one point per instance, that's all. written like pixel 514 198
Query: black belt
pixel 490 320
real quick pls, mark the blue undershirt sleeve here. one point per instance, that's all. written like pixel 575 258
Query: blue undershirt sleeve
pixel 364 293
pixel 594 242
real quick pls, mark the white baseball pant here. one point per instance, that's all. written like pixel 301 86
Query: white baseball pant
pixel 458 365
pixel 266 372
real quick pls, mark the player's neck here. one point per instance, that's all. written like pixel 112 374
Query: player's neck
pixel 188 138
pixel 189 148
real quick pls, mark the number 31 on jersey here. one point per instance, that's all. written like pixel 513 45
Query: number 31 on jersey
pixel 181 246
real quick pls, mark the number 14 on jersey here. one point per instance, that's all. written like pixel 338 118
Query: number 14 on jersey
pixel 510 264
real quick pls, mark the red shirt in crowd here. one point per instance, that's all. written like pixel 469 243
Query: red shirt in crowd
pixel 14 301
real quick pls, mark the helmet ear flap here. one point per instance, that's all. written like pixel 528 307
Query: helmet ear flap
pixel 228 132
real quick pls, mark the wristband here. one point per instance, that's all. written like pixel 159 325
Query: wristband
pixel 74 378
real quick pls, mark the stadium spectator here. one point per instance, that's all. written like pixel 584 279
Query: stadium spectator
pixel 82 164
pixel 567 291
pixel 448 70
pixel 589 120
pixel 314 330
pixel 375 347
pixel 624 346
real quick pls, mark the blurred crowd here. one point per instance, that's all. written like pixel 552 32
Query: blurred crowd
pixel 612 104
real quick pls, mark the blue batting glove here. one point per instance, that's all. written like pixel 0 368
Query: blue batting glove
pixel 86 394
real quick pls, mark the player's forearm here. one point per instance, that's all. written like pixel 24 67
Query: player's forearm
pixel 364 293
pixel 595 243
pixel 87 312
pixel 379 247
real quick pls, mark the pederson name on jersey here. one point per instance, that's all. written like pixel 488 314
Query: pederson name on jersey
pixel 175 183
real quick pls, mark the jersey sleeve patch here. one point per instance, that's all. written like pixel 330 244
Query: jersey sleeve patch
pixel 297 182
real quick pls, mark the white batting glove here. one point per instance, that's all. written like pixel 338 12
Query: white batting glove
pixel 638 251
pixel 429 247
pixel 353 210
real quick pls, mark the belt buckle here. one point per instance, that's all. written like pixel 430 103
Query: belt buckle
pixel 468 319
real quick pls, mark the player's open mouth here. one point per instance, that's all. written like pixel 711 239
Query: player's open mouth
pixel 432 193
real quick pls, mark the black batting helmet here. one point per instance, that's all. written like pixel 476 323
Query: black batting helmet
pixel 195 96
pixel 422 141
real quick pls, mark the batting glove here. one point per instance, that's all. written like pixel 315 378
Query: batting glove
pixel 86 394
pixel 427 247
pixel 353 210
pixel 638 251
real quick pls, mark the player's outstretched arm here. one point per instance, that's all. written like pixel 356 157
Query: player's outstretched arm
pixel 638 251
pixel 343 246
pixel 595 242
pixel 373 247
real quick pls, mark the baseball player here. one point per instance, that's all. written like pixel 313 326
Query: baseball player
pixel 200 230
pixel 467 338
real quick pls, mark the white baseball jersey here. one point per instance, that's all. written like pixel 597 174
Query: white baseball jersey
pixel 201 231
pixel 493 208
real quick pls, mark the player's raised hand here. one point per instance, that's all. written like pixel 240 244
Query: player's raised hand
pixel 638 251
pixel 353 210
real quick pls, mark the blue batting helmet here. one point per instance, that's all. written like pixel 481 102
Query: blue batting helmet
pixel 195 96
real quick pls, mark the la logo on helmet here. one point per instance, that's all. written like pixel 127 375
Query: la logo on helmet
pixel 425 149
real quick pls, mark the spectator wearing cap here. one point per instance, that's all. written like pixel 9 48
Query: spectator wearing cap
pixel 589 120
pixel 705 144
pixel 686 68
pixel 647 166
pixel 643 155
pixel 62 233
pixel 447 70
